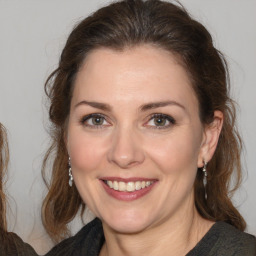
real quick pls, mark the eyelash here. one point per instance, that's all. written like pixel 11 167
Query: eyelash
pixel 93 126
pixel 168 118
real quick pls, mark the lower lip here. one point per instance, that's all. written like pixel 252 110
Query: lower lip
pixel 127 196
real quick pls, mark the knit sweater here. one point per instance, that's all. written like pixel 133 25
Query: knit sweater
pixel 221 240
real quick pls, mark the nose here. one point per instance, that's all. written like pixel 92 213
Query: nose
pixel 126 149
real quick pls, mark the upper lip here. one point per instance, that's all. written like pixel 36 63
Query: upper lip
pixel 132 179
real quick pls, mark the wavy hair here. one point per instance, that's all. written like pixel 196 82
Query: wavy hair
pixel 168 26
pixel 4 159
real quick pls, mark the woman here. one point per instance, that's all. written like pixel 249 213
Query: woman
pixel 10 243
pixel 144 135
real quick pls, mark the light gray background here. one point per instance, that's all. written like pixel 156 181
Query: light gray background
pixel 32 34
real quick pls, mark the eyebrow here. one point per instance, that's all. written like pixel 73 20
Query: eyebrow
pixel 93 104
pixel 143 108
pixel 159 104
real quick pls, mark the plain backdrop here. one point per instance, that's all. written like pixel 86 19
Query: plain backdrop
pixel 32 35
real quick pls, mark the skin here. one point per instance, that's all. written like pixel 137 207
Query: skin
pixel 129 143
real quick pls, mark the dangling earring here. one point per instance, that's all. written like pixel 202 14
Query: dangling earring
pixel 70 182
pixel 205 179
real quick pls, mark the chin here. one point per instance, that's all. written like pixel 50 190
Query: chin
pixel 127 228
pixel 127 224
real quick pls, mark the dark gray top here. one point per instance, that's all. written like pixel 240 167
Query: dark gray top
pixel 221 240
pixel 225 240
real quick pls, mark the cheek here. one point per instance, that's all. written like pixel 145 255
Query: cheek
pixel 86 152
pixel 177 154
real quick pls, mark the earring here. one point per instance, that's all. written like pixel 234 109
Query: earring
pixel 70 182
pixel 205 178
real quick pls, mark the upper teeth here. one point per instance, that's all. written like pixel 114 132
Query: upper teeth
pixel 129 186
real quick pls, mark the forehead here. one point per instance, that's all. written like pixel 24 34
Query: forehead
pixel 142 73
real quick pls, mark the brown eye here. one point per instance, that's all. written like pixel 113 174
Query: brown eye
pixel 97 120
pixel 160 121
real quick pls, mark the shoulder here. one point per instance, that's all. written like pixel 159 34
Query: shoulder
pixel 90 236
pixel 232 239
pixel 225 240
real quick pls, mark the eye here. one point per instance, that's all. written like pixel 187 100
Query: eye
pixel 94 121
pixel 160 121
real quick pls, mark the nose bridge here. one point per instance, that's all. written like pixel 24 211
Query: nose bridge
pixel 126 149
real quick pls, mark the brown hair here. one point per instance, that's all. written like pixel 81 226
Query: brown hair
pixel 4 159
pixel 126 24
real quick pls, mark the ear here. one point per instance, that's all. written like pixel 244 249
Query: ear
pixel 210 139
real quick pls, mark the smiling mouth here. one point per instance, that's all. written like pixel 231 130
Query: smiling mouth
pixel 130 186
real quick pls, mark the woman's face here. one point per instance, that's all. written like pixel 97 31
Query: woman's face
pixel 134 137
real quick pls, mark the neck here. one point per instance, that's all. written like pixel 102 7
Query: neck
pixel 174 236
